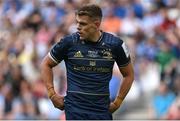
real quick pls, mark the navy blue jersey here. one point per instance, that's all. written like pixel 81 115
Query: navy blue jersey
pixel 89 68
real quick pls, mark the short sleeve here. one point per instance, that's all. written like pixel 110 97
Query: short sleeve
pixel 122 54
pixel 58 51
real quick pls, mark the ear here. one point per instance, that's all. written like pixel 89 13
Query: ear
pixel 97 23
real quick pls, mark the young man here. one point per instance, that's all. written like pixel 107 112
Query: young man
pixel 89 55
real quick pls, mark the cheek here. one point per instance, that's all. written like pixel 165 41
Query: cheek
pixel 86 28
pixel 90 29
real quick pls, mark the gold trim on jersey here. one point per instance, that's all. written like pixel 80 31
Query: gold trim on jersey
pixel 87 93
pixel 96 59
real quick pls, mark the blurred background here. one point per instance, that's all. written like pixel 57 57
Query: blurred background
pixel 151 29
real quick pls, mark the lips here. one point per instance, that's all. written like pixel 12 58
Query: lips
pixel 80 33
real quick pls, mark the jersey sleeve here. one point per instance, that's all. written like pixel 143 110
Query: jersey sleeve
pixel 122 54
pixel 58 51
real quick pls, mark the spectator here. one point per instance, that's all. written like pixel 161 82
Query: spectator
pixel 162 101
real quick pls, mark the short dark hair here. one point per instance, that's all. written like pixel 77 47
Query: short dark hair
pixel 91 10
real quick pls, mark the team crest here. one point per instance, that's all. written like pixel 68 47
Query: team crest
pixel 107 54
pixel 78 54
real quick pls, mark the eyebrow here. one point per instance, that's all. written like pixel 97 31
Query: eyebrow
pixel 80 21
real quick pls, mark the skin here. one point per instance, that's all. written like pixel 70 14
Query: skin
pixel 47 75
pixel 128 78
pixel 88 30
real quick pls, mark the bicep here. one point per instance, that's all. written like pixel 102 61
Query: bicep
pixel 48 61
pixel 127 71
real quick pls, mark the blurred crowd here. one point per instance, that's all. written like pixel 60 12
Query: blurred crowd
pixel 29 28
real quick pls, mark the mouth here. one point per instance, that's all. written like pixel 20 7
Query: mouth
pixel 80 33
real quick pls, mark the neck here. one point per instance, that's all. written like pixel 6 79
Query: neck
pixel 96 36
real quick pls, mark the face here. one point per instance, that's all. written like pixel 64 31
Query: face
pixel 87 28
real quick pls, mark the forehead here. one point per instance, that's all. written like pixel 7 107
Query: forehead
pixel 83 18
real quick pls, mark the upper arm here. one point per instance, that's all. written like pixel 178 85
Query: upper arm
pixel 123 59
pixel 122 55
pixel 59 51
pixel 127 71
pixel 48 62
pixel 56 54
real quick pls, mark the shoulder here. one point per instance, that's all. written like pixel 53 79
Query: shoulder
pixel 67 41
pixel 112 39
pixel 71 38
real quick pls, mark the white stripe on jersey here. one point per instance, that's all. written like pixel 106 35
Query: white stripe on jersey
pixel 126 50
pixel 52 58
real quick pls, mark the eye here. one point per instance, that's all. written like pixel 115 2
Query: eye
pixel 83 23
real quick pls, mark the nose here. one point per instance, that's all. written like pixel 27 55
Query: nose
pixel 78 28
